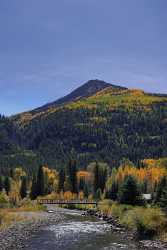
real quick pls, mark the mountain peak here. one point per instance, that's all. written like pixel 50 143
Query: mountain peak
pixel 87 89
pixel 100 84
pixel 96 82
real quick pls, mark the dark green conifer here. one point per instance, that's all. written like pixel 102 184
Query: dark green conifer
pixel 160 188
pixel 40 186
pixel 129 191
pixel 61 180
pixel 7 185
pixel 98 194
pixel 72 176
pixel 86 191
pixel 23 189
pixel 81 184
pixel 33 193
pixel 163 199
pixel 112 192
pixel 96 178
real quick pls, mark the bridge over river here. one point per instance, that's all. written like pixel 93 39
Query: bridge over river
pixel 67 202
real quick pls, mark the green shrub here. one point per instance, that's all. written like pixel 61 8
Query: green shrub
pixel 4 200
pixel 147 222
pixel 118 211
pixel 114 209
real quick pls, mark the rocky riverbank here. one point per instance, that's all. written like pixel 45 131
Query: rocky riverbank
pixel 16 236
pixel 127 234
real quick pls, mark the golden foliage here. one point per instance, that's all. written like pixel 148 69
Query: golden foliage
pixel 52 177
pixel 18 173
pixel 69 196
pixel 81 195
pixel 151 174
pixel 83 175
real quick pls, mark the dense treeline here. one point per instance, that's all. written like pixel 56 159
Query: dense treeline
pixel 126 184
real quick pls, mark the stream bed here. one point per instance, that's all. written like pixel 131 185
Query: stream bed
pixel 77 232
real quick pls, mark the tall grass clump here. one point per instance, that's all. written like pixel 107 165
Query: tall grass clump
pixel 110 208
pixel 148 222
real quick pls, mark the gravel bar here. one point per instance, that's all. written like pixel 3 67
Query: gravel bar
pixel 16 236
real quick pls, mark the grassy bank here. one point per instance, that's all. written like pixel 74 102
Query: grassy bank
pixel 8 218
pixel 147 222
pixel 12 215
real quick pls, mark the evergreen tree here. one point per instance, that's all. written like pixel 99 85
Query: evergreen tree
pixel 47 188
pixel 102 177
pixel 163 199
pixel 1 184
pixel 33 193
pixel 81 184
pixel 7 185
pixel 98 194
pixel 23 189
pixel 11 173
pixel 129 191
pixel 61 180
pixel 112 192
pixel 86 191
pixel 160 188
pixel 72 176
pixel 96 178
pixel 40 186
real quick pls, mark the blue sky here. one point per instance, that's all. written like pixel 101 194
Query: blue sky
pixel 50 47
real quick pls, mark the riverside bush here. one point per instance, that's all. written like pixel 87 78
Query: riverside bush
pixel 114 209
pixel 4 200
pixel 147 222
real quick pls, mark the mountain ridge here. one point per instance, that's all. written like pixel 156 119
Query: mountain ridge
pixel 91 92
pixel 85 90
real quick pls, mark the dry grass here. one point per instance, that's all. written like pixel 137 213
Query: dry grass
pixel 147 222
pixel 9 216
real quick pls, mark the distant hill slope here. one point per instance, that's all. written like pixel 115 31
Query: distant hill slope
pixel 98 121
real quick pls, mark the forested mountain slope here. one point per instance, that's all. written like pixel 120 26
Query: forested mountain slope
pixel 98 121
pixel 10 137
pixel 12 151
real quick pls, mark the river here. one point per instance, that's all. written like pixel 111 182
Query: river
pixel 75 231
